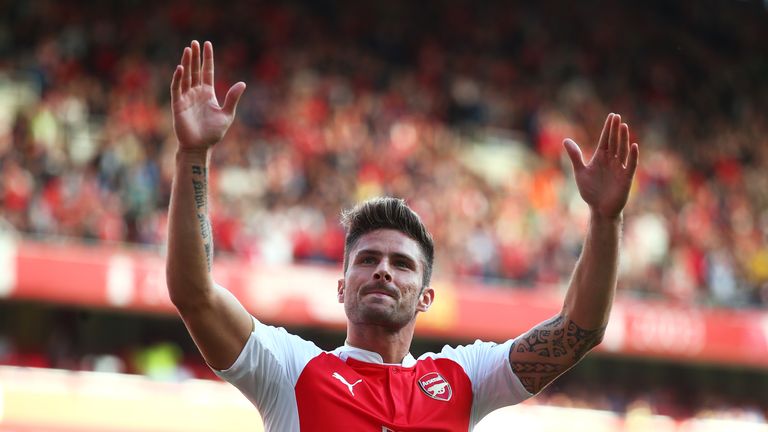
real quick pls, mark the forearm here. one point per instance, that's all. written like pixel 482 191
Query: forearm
pixel 553 346
pixel 593 284
pixel 190 242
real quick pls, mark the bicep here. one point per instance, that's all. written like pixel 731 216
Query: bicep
pixel 220 327
pixel 549 349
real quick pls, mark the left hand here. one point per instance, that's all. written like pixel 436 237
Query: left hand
pixel 605 181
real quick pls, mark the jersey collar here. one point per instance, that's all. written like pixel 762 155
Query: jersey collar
pixel 346 351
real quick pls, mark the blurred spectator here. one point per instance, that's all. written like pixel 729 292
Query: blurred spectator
pixel 160 361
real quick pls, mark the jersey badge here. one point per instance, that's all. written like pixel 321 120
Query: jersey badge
pixel 435 386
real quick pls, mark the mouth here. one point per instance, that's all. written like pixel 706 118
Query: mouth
pixel 377 294
pixel 380 290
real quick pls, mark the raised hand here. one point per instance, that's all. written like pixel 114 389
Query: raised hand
pixel 198 119
pixel 605 181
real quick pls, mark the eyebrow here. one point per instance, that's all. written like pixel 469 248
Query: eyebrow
pixel 375 252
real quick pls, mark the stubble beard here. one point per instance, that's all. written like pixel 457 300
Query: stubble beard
pixel 379 315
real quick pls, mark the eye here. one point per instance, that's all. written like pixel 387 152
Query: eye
pixel 367 260
pixel 403 264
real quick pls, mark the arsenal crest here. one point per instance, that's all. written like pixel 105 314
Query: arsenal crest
pixel 435 386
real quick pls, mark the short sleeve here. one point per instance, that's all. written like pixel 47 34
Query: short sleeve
pixel 494 384
pixel 266 372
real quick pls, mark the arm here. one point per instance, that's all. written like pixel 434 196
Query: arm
pixel 554 346
pixel 217 322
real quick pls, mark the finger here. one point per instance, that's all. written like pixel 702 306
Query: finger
pixel 176 83
pixel 613 136
pixel 623 143
pixel 574 152
pixel 233 97
pixel 634 156
pixel 195 63
pixel 186 63
pixel 602 144
pixel 208 63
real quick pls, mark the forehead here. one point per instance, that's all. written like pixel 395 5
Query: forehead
pixel 388 241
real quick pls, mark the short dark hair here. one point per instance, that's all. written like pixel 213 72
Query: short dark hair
pixel 387 213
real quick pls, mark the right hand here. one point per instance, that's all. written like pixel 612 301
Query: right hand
pixel 198 119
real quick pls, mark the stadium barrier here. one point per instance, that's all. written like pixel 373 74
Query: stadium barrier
pixel 122 278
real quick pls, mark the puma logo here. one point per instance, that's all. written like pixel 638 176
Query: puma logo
pixel 344 381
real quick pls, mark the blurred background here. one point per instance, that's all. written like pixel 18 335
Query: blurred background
pixel 460 107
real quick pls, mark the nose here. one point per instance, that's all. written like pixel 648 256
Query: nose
pixel 382 272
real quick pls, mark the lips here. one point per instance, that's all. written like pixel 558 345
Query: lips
pixel 380 288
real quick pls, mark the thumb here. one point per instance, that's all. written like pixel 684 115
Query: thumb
pixel 574 152
pixel 233 97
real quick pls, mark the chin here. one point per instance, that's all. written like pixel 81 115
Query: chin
pixel 381 317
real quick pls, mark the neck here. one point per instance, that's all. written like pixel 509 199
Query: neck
pixel 391 345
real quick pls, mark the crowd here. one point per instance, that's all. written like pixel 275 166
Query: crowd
pixel 458 107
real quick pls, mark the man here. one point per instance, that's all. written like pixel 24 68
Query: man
pixel 372 383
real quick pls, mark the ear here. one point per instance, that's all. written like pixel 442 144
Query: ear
pixel 426 299
pixel 340 291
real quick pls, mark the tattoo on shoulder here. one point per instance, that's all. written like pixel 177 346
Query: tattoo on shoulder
pixel 552 347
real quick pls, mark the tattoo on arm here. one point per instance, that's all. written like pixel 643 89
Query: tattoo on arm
pixel 582 340
pixel 549 349
pixel 200 188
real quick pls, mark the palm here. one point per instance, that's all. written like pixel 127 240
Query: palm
pixel 605 181
pixel 198 120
